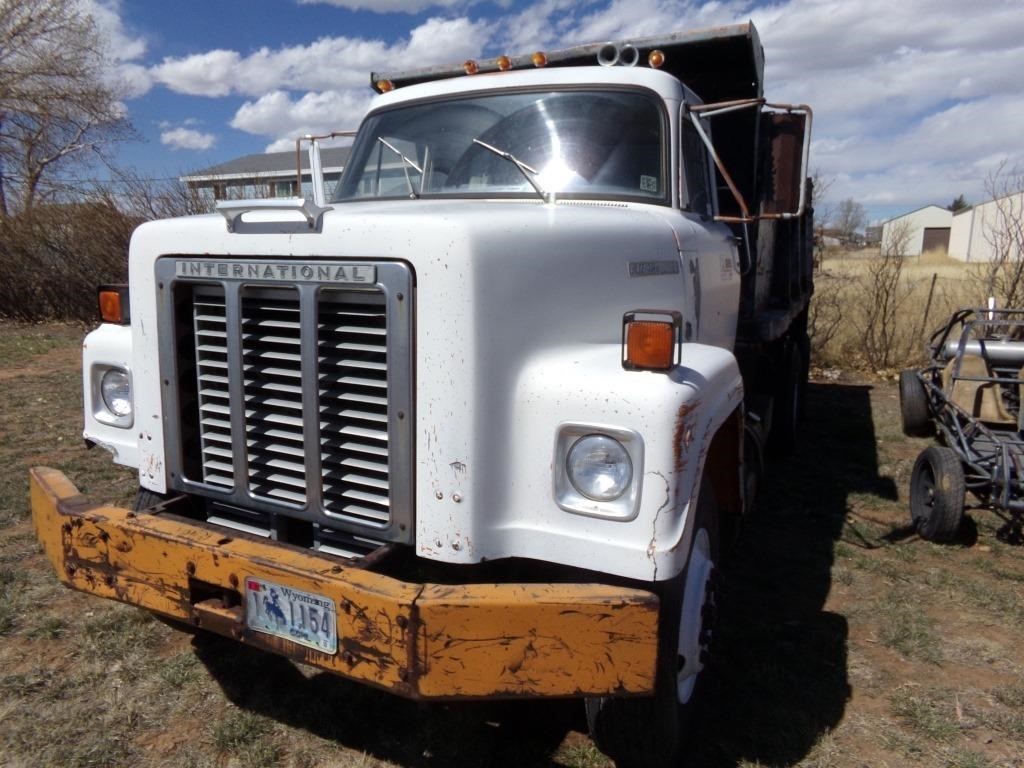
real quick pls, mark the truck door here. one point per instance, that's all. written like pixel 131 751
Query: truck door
pixel 708 245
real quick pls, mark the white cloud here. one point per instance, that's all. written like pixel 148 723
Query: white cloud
pixel 124 48
pixel 387 6
pixel 283 118
pixel 325 64
pixel 187 138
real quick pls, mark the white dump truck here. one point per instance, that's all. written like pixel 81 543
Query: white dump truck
pixel 476 423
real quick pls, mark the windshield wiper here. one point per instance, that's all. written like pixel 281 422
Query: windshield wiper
pixel 406 163
pixel 528 172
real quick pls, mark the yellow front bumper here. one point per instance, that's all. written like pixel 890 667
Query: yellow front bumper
pixel 417 640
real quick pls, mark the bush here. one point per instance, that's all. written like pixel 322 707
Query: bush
pixel 53 258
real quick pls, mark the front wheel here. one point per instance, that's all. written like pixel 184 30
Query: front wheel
pixel 649 732
pixel 937 493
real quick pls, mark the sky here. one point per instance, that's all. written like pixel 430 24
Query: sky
pixel 915 101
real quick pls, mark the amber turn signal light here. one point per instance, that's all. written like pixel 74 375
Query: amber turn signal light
pixel 650 345
pixel 113 304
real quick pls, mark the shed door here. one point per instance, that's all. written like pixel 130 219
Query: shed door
pixel 936 239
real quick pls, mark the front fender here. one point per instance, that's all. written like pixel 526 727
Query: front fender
pixel 109 346
pixel 676 415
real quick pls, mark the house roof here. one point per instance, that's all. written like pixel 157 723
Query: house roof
pixel 270 164
pixel 916 210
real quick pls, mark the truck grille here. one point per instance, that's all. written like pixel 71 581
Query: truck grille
pixel 293 399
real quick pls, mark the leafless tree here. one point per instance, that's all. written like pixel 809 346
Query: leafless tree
pixel 1002 226
pixel 850 217
pixel 884 296
pixel 57 109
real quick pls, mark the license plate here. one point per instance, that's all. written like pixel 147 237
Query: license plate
pixel 302 617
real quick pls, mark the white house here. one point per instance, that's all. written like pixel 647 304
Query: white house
pixel 269 174
pixel 925 229
pixel 984 230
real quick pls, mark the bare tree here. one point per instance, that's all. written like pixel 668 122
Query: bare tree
pixel 1002 223
pixel 56 108
pixel 850 217
pixel 884 296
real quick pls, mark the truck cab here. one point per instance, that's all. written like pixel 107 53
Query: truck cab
pixel 476 422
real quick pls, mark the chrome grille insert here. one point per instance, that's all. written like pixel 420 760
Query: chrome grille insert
pixel 290 395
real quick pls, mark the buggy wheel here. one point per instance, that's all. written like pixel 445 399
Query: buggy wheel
pixel 917 420
pixel 651 731
pixel 937 493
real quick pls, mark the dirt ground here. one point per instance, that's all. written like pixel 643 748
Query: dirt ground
pixel 845 641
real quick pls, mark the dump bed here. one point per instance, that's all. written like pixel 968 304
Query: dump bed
pixel 718 63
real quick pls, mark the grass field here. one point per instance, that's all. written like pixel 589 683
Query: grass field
pixel 843 299
pixel 845 640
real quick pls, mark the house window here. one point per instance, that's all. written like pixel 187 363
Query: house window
pixel 219 191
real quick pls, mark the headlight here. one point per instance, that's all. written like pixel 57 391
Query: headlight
pixel 599 467
pixel 116 391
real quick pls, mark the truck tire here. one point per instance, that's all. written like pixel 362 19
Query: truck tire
pixel 917 420
pixel 649 732
pixel 937 493
pixel 789 399
pixel 145 499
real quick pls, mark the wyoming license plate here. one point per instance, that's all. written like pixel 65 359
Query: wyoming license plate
pixel 302 617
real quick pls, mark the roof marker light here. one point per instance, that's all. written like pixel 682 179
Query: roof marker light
pixel 470 67
pixel 539 59
pixel 385 85
pixel 504 63
pixel 656 58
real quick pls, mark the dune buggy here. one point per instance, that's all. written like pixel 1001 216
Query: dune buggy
pixel 969 396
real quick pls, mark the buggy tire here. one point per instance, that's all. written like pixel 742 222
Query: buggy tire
pixel 651 731
pixel 937 493
pixel 917 420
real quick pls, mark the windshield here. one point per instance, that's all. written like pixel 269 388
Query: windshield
pixel 603 144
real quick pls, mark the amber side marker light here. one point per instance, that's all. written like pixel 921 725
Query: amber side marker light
pixel 652 343
pixel 656 59
pixel 385 86
pixel 470 67
pixel 113 304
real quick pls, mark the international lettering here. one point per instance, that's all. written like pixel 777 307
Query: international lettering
pixel 277 272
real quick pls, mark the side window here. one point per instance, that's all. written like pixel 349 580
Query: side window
pixel 695 170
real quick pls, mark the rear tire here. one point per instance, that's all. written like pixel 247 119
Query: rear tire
pixel 937 493
pixel 917 420
pixel 650 732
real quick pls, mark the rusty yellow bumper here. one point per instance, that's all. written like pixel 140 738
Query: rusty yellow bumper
pixel 418 640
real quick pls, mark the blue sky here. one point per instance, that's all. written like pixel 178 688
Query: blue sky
pixel 916 101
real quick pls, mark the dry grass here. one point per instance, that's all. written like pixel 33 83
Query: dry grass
pixel 842 302
pixel 845 641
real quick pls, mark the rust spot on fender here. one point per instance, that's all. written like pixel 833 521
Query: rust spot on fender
pixel 682 436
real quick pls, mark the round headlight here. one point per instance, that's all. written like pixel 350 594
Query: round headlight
pixel 116 391
pixel 599 467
